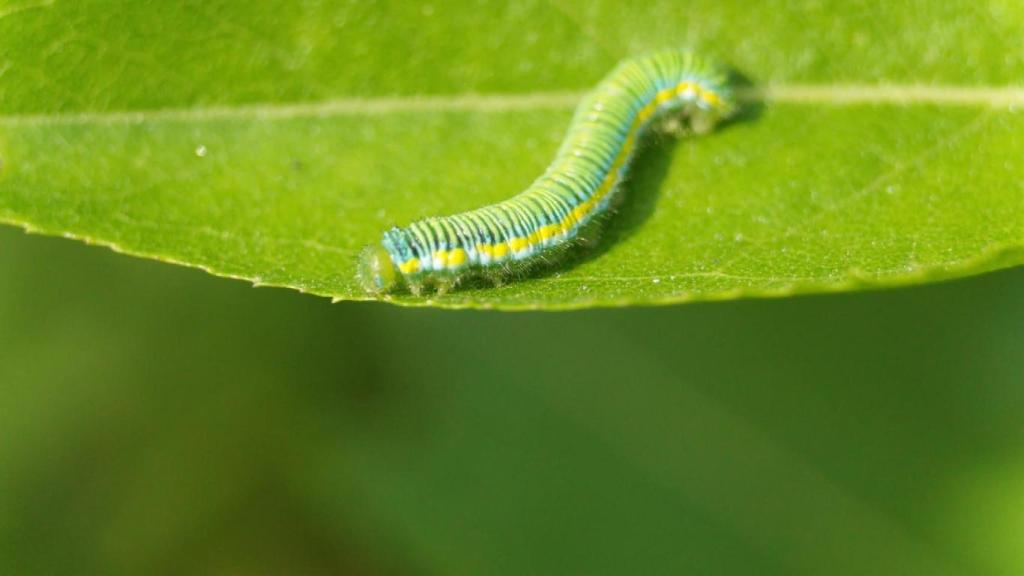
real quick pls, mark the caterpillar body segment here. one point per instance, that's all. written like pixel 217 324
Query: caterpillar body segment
pixel 501 240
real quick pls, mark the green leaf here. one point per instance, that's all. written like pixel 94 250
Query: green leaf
pixel 272 142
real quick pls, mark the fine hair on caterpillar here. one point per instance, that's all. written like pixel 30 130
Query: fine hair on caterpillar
pixel 375 270
pixel 672 91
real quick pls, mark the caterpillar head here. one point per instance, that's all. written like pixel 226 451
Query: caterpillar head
pixel 377 273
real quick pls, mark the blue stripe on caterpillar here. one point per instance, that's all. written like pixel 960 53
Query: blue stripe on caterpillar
pixel 577 187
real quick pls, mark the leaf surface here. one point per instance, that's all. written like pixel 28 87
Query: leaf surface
pixel 272 143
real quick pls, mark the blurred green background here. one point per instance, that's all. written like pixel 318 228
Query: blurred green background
pixel 154 419
pixel 157 420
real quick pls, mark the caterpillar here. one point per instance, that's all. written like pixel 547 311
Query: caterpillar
pixel 500 240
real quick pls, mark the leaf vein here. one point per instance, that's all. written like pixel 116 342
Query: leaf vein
pixel 1009 97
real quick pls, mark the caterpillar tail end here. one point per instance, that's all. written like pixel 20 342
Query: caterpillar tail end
pixel 377 274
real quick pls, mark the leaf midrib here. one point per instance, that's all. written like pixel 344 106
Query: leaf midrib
pixel 832 94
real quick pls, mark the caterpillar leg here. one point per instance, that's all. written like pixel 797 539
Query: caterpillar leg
pixel 673 125
pixel 443 284
pixel 415 286
pixel 496 277
pixel 703 121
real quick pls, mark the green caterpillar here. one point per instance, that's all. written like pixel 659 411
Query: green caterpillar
pixel 576 188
